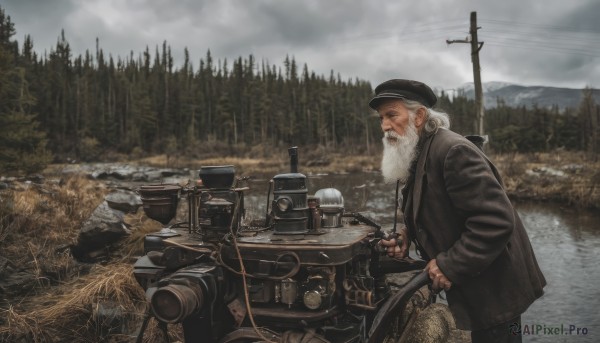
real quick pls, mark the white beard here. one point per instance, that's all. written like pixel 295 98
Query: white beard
pixel 398 155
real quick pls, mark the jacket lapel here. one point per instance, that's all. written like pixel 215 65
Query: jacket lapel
pixel 420 177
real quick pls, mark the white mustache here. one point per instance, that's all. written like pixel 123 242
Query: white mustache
pixel 391 134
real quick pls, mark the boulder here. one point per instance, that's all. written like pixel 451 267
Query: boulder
pixel 104 227
pixel 153 175
pixel 36 178
pixel 139 177
pixel 123 200
pixel 122 172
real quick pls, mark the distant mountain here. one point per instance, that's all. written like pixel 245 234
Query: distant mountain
pixel 517 95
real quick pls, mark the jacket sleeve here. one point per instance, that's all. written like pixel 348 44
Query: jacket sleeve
pixel 479 197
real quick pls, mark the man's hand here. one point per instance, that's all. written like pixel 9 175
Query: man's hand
pixel 439 279
pixel 397 248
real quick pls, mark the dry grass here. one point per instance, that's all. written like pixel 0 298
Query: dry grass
pixel 22 327
pixel 141 225
pixel 43 220
pixel 579 185
pixel 154 334
pixel 38 223
pixel 243 165
pixel 310 162
pixel 72 314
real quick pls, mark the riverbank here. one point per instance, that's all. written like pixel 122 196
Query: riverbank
pixel 46 295
pixel 570 178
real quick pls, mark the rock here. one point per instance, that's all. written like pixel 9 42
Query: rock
pixel 3 185
pixel 103 227
pixel 139 177
pixel 36 178
pixel 170 172
pixel 572 168
pixel 9 179
pixel 173 180
pixel 546 172
pixel 99 174
pixel 153 175
pixel 122 172
pixel 72 169
pixel 125 201
pixel 21 186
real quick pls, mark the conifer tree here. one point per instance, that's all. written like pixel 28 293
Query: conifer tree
pixel 22 144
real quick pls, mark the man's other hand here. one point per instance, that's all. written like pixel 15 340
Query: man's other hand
pixel 440 281
pixel 397 247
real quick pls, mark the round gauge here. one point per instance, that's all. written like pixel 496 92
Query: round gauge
pixel 312 300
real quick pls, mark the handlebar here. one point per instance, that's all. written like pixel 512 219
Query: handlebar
pixel 394 304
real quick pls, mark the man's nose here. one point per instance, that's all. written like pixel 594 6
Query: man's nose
pixel 385 125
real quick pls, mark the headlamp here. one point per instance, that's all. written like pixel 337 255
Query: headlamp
pixel 284 204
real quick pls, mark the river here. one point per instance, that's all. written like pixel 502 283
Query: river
pixel 566 242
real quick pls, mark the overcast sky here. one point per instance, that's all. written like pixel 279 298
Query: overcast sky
pixel 528 42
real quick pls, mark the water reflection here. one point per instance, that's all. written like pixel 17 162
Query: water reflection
pixel 566 242
pixel 567 245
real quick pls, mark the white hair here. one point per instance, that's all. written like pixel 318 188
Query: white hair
pixel 435 119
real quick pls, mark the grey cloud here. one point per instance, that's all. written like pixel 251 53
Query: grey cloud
pixel 40 19
pixel 357 38
pixel 584 17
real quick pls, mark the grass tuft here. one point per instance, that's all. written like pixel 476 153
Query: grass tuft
pixel 73 312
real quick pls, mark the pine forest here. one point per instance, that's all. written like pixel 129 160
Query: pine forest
pixel 57 106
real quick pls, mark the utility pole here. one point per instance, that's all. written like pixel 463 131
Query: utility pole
pixel 475 47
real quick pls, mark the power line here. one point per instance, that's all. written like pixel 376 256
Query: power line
pixel 540 26
pixel 555 50
pixel 547 37
pixel 547 44
pixel 540 37
pixel 422 33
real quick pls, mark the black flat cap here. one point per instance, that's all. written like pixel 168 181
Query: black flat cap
pixel 403 89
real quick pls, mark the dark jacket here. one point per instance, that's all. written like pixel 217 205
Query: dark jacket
pixel 458 212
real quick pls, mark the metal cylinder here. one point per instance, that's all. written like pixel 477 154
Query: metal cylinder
pixel 173 303
pixel 289 291
pixel 293 152
pixel 315 213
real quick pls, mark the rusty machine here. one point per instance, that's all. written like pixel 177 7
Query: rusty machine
pixel 307 272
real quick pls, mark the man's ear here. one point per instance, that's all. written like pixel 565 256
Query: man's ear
pixel 420 117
